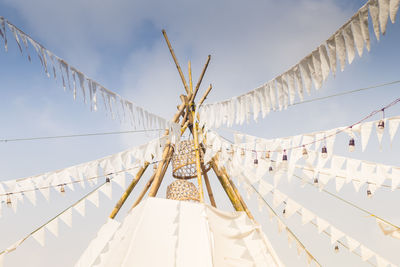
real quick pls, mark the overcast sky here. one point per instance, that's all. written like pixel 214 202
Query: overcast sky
pixel 119 44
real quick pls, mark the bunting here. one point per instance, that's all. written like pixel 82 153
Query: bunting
pixel 279 93
pixel 78 83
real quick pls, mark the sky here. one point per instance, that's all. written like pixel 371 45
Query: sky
pixel 119 44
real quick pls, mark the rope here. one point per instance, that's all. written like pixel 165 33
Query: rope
pixel 52 219
pixel 287 228
pixel 340 130
pixel 345 93
pixel 349 203
pixel 75 135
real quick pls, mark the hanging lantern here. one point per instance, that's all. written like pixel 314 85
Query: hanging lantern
pixel 381 125
pixel 107 179
pixel 9 203
pixel 270 169
pixel 305 153
pixel 352 145
pixel 315 180
pixel 324 152
pixel 62 189
pixel 369 193
pixel 284 212
pixel 284 157
pixel 336 248
pixel 255 160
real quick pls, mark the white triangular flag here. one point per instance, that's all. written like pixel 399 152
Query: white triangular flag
pixel 316 66
pixel 39 236
pixel 332 53
pixel 363 17
pixel 45 192
pixel 300 248
pixel 94 198
pixel 357 184
pixel 306 74
pixel 381 262
pixel 291 207
pixel 281 226
pixel 348 34
pixel 393 126
pixel 374 11
pixel 351 168
pixel 106 189
pixel 379 132
pixel 321 224
pixel 383 14
pixel 80 207
pixel 365 134
pixel 351 243
pixel 395 176
pixel 341 49
pixel 264 188
pixel 53 227
pixel 366 253
pixel 358 37
pixel 335 234
pixel 278 198
pixel 394 7
pixel 306 216
pixel 66 217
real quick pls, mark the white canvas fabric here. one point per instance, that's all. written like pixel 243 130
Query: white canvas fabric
pixel 162 232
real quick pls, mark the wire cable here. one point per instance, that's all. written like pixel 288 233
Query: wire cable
pixel 76 135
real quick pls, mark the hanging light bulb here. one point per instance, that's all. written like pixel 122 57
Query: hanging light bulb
pixel 369 193
pixel 242 152
pixel 284 212
pixel 324 152
pixel 381 125
pixel 107 179
pixel 62 189
pixel 336 248
pixel 267 155
pixel 9 203
pixel 284 157
pixel 255 160
pixel 305 153
pixel 270 169
pixel 315 180
pixel 352 145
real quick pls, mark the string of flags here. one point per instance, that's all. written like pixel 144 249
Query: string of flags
pixel 78 83
pixel 115 166
pixel 280 92
pixel 337 236
pixel 65 216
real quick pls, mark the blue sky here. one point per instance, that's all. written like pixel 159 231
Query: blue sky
pixel 120 45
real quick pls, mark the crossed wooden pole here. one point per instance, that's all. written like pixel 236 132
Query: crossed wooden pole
pixel 186 115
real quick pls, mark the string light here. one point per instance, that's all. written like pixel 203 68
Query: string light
pixel 369 193
pixel 305 153
pixel 267 155
pixel 352 145
pixel 381 123
pixel 324 152
pixel 255 155
pixel 107 179
pixel 9 203
pixel 336 248
pixel 62 189
pixel 284 157
pixel 315 180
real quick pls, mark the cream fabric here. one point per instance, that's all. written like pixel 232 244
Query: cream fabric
pixel 162 232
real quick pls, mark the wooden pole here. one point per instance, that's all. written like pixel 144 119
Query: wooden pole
pixel 208 186
pixel 158 178
pixel 246 209
pixel 176 61
pixel 198 161
pixel 133 183
pixel 200 78
pixel 126 194
pixel 190 79
pixel 227 187
pixel 147 186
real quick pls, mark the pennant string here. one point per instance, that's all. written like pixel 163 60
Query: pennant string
pixel 348 202
pixel 14 247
